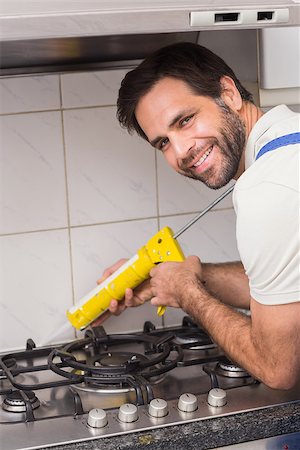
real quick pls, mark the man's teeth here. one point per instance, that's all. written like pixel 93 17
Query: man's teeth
pixel 203 158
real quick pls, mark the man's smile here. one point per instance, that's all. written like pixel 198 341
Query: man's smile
pixel 195 162
pixel 203 157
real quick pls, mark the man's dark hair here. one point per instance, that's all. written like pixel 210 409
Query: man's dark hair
pixel 197 66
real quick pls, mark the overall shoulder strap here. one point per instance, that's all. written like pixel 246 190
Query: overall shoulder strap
pixel 287 139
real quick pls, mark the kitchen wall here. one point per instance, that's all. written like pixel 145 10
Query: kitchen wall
pixel 77 193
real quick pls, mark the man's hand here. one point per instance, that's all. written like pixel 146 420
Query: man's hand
pixel 171 281
pixel 136 297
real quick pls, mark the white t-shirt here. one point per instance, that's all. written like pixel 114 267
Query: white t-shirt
pixel 267 203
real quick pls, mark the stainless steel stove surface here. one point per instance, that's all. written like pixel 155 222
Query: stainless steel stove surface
pixel 105 385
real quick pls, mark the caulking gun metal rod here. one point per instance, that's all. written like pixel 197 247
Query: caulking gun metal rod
pixel 202 213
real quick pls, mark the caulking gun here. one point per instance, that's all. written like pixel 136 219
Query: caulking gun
pixel 162 247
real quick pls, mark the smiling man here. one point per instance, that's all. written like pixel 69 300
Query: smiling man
pixel 202 140
pixel 188 104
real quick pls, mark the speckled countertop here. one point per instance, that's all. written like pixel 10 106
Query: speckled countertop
pixel 205 434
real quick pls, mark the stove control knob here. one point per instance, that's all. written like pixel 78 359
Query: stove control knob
pixel 97 418
pixel 187 403
pixel 158 408
pixel 217 397
pixel 128 413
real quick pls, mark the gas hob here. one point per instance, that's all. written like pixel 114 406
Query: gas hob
pixel 106 385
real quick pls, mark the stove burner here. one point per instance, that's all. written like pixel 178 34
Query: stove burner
pixel 189 336
pixel 117 359
pixel 227 369
pixel 194 343
pixel 160 356
pixel 14 402
pixel 102 388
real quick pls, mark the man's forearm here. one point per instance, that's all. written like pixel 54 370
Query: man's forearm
pixel 227 282
pixel 267 344
pixel 227 327
pixel 231 330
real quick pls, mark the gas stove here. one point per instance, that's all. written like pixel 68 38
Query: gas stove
pixel 105 385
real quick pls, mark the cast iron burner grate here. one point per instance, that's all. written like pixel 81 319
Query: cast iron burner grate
pixel 103 362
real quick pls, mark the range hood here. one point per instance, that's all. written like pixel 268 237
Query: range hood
pixel 62 35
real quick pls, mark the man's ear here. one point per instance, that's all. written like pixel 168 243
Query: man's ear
pixel 230 94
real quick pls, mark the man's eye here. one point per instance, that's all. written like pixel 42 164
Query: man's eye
pixel 163 143
pixel 185 120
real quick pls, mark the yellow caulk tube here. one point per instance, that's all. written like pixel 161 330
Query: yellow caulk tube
pixel 161 247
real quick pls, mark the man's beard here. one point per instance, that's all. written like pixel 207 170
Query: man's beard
pixel 231 146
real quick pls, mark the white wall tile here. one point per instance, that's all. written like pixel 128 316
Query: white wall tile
pixel 91 88
pixel 212 239
pixel 34 93
pixel 32 188
pixel 178 194
pixel 111 175
pixel 35 287
pixel 95 248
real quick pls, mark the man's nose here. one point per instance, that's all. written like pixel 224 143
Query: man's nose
pixel 181 146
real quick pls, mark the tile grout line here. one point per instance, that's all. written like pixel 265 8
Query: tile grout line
pixel 70 108
pixel 67 194
pixel 162 216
